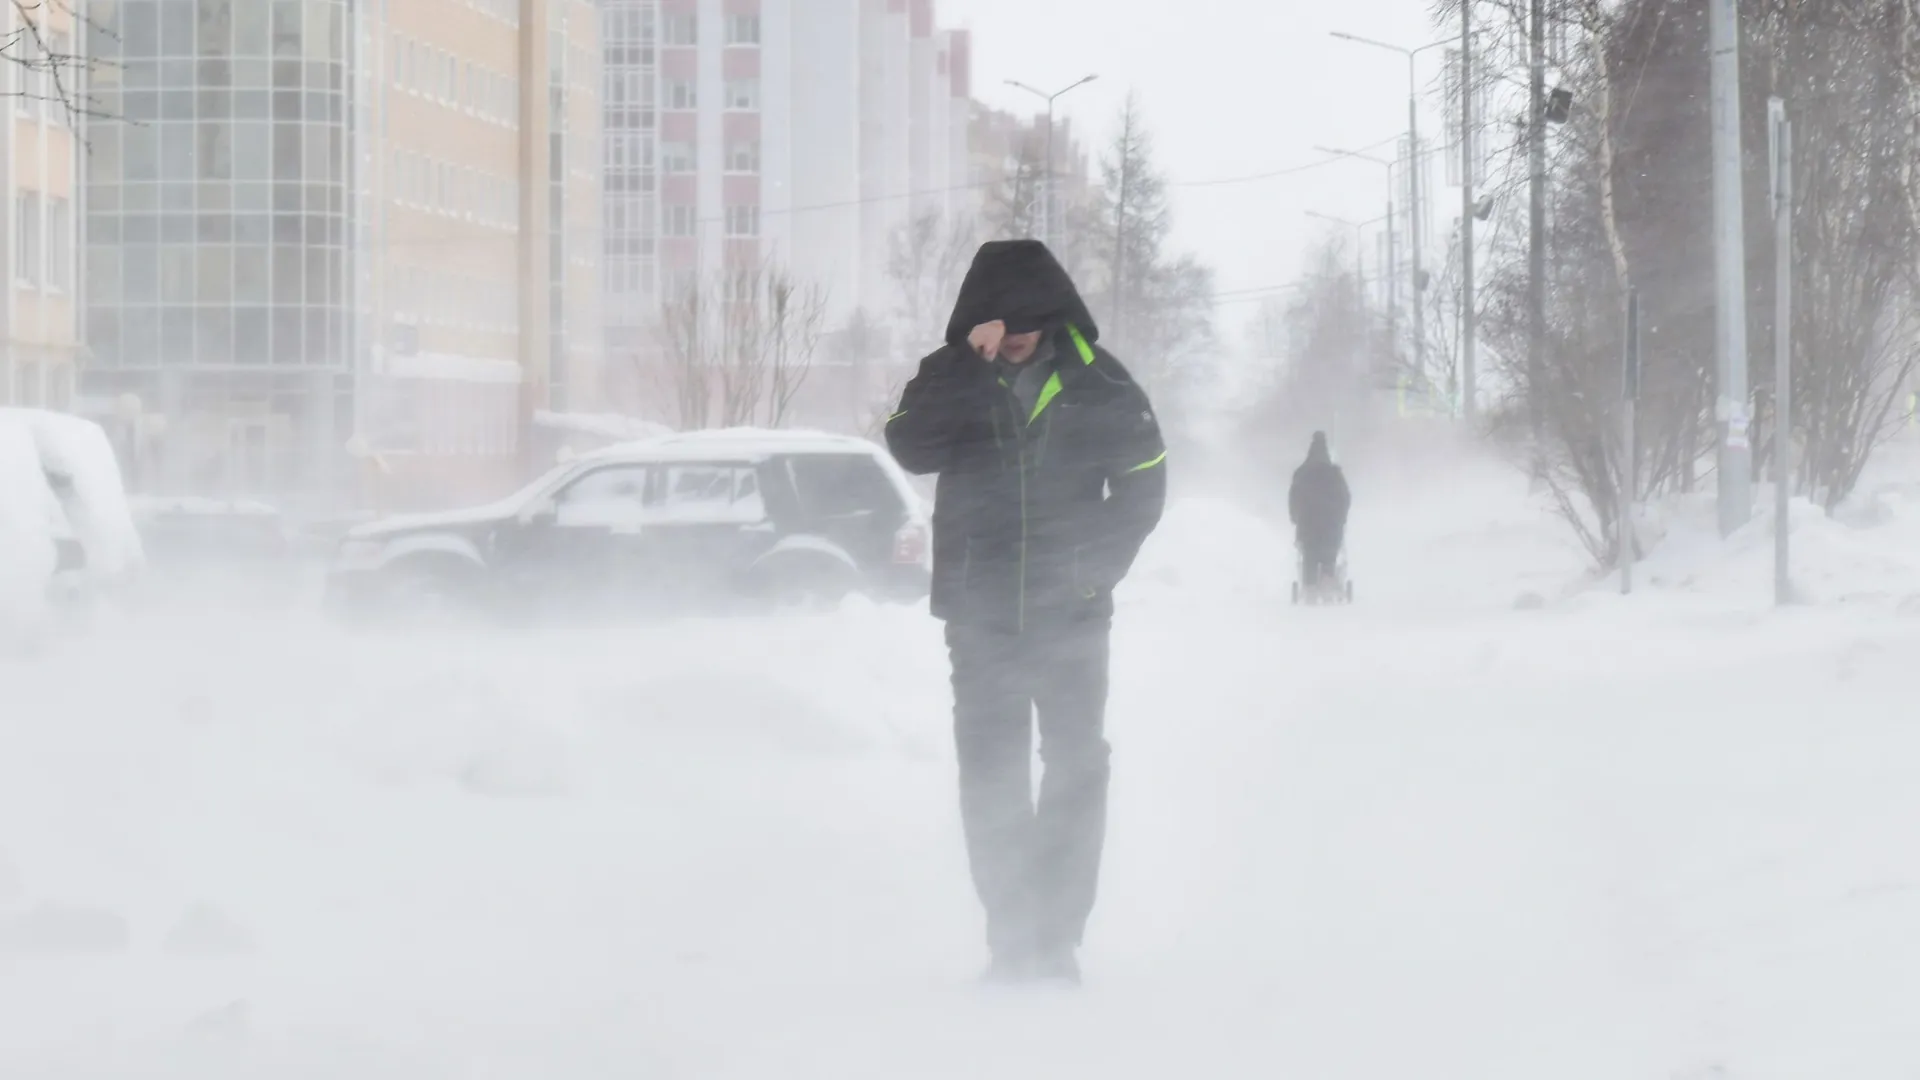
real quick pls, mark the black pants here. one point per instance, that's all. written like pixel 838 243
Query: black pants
pixel 1035 866
pixel 1319 554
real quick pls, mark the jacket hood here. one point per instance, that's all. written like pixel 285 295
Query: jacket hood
pixel 1317 452
pixel 1020 283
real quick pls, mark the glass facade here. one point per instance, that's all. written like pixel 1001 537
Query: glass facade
pixel 630 200
pixel 218 216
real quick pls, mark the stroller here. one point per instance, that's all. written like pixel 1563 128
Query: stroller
pixel 1331 587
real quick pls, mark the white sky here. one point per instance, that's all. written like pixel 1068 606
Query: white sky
pixel 1230 88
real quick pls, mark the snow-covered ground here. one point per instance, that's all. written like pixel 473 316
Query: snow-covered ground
pixel 1428 835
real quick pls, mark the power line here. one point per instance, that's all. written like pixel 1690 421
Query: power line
pixel 843 204
pixel 1293 170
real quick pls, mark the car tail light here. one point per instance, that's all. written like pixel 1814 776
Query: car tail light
pixel 910 544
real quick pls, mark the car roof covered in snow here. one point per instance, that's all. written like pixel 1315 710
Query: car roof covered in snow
pixel 743 444
pixel 146 505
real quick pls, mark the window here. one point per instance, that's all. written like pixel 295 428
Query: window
pixel 713 494
pixel 678 220
pixel 743 156
pixel 743 29
pixel 26 246
pixel 743 94
pixel 32 88
pixel 676 157
pixel 839 485
pixel 682 29
pixel 683 94
pixel 62 78
pixel 604 497
pixel 743 221
pixel 59 244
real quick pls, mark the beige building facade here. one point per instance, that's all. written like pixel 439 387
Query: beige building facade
pixel 39 327
pixel 325 255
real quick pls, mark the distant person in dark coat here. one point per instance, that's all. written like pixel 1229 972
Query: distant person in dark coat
pixel 1317 504
pixel 1052 475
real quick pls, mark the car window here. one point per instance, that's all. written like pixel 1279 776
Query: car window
pixel 835 485
pixel 717 494
pixel 612 496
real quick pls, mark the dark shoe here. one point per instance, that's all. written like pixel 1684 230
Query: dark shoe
pixel 1058 966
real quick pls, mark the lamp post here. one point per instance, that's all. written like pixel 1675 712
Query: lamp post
pixel 1359 245
pixel 1393 301
pixel 1414 217
pixel 1735 477
pixel 1046 220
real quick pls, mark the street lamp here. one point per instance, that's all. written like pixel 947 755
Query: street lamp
pixel 1046 223
pixel 1393 299
pixel 1413 179
pixel 1359 259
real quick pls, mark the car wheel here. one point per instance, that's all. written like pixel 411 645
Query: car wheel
pixel 424 592
pixel 803 586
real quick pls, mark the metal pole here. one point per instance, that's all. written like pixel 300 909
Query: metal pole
pixel 1630 454
pixel 1730 309
pixel 1046 225
pixel 1415 217
pixel 1360 271
pixel 1782 347
pixel 1468 327
pixel 1537 231
pixel 1393 280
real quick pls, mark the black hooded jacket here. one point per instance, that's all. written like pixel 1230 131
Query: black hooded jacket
pixel 1039 512
pixel 1319 499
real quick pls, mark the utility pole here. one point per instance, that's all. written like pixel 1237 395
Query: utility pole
pixel 1415 218
pixel 1393 264
pixel 1416 215
pixel 1393 251
pixel 1537 228
pixel 1629 439
pixel 1729 249
pixel 1782 131
pixel 1359 248
pixel 1047 183
pixel 1468 326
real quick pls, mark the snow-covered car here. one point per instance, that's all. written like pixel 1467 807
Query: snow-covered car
pixel 66 530
pixel 708 522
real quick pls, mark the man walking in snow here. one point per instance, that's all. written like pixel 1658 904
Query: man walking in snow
pixel 1052 475
pixel 1317 503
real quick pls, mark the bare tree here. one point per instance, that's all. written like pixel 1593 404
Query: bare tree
pixel 50 68
pixel 688 346
pixel 1631 209
pixel 1012 203
pixel 927 259
pixel 795 317
pixel 1155 307
pixel 736 346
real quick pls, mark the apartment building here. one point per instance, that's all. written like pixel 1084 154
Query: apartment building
pixel 345 243
pixel 39 157
pixel 801 131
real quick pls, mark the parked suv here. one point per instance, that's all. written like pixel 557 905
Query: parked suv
pixel 700 523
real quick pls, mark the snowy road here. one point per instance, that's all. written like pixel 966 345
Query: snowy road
pixel 1425 836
